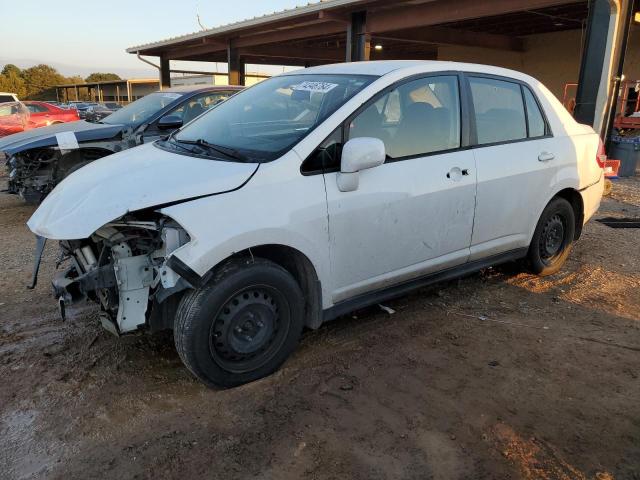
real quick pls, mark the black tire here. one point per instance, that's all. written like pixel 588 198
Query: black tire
pixel 553 238
pixel 242 325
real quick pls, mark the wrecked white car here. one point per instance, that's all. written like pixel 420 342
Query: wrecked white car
pixel 318 192
pixel 38 159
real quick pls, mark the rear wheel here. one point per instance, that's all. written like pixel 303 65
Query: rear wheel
pixel 241 326
pixel 553 238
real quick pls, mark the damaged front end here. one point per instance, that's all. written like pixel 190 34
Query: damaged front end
pixel 123 268
pixel 32 174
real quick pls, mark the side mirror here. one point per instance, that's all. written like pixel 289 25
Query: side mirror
pixel 359 154
pixel 169 122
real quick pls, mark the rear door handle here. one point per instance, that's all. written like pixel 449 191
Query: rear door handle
pixel 456 172
pixel 546 157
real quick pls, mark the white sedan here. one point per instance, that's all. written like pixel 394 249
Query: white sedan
pixel 318 192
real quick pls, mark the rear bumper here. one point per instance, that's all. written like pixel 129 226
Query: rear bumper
pixel 591 198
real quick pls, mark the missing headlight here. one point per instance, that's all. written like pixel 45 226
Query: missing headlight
pixel 122 267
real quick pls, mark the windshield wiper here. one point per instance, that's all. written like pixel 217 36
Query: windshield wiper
pixel 229 152
pixel 174 143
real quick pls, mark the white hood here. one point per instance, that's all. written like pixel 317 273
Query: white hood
pixel 134 179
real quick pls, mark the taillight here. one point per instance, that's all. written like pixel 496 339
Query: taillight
pixel 601 156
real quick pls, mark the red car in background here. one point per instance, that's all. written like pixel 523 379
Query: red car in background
pixel 14 118
pixel 44 114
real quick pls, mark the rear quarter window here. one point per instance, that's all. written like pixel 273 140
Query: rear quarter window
pixel 537 124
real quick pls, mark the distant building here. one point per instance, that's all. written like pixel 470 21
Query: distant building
pixel 121 91
pixel 215 79
pixel 128 90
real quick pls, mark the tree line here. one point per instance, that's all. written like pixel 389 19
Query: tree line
pixel 38 82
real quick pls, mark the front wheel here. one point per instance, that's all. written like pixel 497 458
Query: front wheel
pixel 242 325
pixel 553 238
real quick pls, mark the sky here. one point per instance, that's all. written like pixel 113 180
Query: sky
pixel 80 37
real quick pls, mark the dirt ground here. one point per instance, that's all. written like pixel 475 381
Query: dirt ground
pixel 501 375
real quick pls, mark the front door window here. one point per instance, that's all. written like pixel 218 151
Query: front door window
pixel 417 118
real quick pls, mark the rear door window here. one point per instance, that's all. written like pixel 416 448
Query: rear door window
pixel 199 104
pixel 34 108
pixel 499 110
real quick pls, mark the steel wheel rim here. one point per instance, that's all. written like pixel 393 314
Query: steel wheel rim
pixel 249 329
pixel 552 239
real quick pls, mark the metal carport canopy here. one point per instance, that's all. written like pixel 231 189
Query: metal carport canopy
pixel 350 23
pixel 341 30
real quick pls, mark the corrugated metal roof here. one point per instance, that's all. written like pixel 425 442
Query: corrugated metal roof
pixel 252 22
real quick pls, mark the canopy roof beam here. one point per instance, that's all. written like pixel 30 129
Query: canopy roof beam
pixel 452 36
pixel 437 12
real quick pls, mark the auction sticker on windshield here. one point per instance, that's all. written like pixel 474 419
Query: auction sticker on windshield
pixel 67 141
pixel 318 87
pixel 172 96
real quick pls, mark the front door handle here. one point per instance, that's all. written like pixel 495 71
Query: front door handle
pixel 546 157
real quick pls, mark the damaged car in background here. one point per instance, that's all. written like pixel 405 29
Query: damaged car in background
pixel 315 193
pixel 37 160
pixel 14 118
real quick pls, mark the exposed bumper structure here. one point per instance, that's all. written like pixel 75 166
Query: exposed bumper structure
pixel 123 268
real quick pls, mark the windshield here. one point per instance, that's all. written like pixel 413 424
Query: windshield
pixel 14 113
pixel 14 108
pixel 141 110
pixel 261 123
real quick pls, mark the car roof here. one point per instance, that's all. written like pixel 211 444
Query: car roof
pixel 376 67
pixel 202 88
pixel 41 102
pixel 383 67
